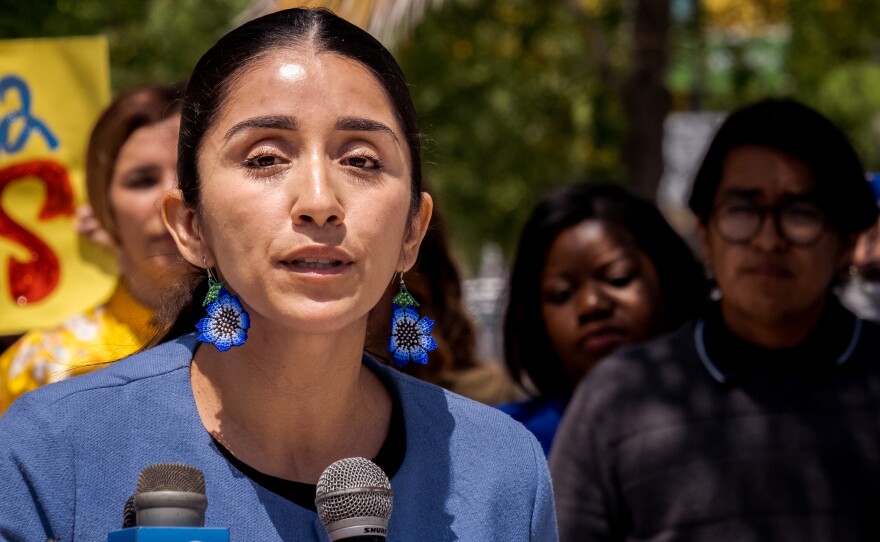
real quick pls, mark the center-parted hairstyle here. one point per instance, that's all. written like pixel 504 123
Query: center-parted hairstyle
pixel 235 54
pixel 232 58
pixel 528 351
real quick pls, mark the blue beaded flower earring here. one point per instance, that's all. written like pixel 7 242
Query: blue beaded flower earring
pixel 227 322
pixel 410 334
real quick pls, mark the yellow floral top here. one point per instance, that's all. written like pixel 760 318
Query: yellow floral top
pixel 81 344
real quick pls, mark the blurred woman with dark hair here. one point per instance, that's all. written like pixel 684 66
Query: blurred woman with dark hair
pixel 596 268
pixel 130 165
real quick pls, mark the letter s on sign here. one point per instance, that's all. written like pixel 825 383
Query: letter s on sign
pixel 37 277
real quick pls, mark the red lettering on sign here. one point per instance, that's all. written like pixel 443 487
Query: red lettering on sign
pixel 37 277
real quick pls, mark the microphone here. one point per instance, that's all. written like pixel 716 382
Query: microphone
pixel 170 495
pixel 354 500
pixel 169 505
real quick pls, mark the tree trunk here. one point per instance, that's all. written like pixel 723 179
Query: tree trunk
pixel 646 98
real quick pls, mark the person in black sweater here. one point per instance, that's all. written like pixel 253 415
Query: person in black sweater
pixel 759 420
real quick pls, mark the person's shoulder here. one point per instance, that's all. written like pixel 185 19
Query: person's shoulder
pixel 459 447
pixel 535 408
pixel 56 344
pixel 424 397
pixel 76 328
pixel 140 367
pixel 476 441
pixel 870 334
pixel 440 414
pixel 487 382
pixel 637 377
pixel 662 356
pixel 865 355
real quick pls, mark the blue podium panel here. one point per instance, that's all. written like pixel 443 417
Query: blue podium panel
pixel 169 534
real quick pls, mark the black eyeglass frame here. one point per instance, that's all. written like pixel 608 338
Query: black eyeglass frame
pixel 776 212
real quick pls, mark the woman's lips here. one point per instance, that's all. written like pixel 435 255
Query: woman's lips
pixel 320 266
pixel 316 263
pixel 602 341
pixel 317 260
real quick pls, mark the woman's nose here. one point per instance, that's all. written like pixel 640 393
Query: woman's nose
pixel 316 200
pixel 593 302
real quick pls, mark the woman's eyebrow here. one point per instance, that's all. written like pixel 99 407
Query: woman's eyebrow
pixel 275 122
pixel 357 124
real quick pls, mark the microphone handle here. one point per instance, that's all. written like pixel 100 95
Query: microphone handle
pixel 358 529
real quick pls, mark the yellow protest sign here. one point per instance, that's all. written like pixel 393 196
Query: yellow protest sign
pixel 51 93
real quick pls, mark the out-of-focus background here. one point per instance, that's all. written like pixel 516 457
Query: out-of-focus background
pixel 518 96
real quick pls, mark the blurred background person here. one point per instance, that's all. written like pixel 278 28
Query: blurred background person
pixel 435 282
pixel 756 421
pixel 860 293
pixel 596 268
pixel 130 165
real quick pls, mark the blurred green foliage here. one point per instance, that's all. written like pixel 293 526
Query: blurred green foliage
pixel 826 53
pixel 518 96
pixel 834 61
pixel 150 41
pixel 511 105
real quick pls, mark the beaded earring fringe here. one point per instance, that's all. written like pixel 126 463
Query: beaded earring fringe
pixel 410 334
pixel 227 322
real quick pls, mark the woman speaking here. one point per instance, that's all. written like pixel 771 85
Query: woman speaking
pixel 299 201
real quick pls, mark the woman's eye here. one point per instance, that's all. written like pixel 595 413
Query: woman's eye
pixel 557 297
pixel 621 281
pixel 261 161
pixel 141 182
pixel 363 162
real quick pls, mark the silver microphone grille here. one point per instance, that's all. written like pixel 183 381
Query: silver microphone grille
pixel 171 477
pixel 353 487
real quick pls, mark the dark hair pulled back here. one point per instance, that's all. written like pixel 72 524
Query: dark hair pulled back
pixel 236 53
pixel 232 57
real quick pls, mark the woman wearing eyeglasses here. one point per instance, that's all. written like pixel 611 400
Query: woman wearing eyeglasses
pixel 758 420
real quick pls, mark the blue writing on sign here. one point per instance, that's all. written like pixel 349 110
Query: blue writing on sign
pixel 15 84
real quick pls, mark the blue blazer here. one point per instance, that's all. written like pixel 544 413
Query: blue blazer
pixel 70 454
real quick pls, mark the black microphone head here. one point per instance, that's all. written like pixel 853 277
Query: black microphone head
pixel 171 477
pixel 170 495
pixel 354 498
